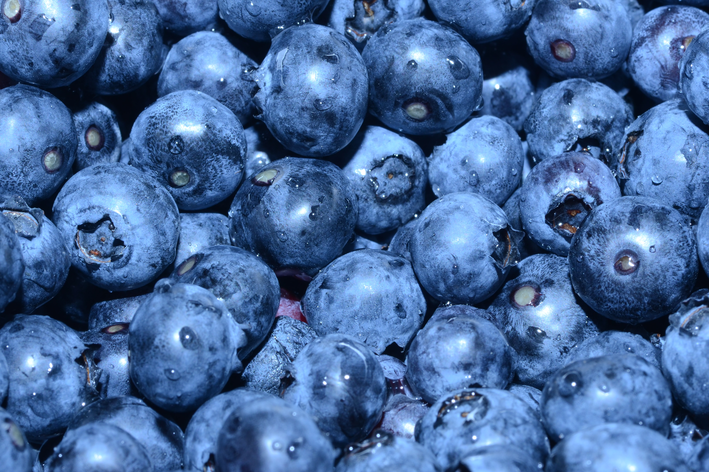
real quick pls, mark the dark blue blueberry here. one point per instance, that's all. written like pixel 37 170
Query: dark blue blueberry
pixel 615 446
pixel 191 144
pixel 694 67
pixel 108 215
pixel 388 174
pixel 12 266
pixel 530 395
pixel 339 382
pixel 609 389
pixel 399 243
pixel 700 457
pixel 98 136
pixel 312 90
pixel 538 314
pixel 183 346
pixel 51 43
pixel 588 39
pixel 109 351
pixel 15 452
pixel 482 21
pixel 38 142
pixel 659 42
pixel 246 285
pixel 133 50
pixel 262 148
pixel 384 451
pixel 264 19
pixel 514 217
pixel 634 259
pixel 483 156
pixel 558 195
pixel 162 438
pixel 463 422
pixel 183 17
pixel 206 61
pixel 577 115
pixel 49 380
pixel 498 458
pixel 457 349
pixel 203 429
pixel 113 312
pixel 613 343
pixel 424 78
pixel 267 370
pixel 295 213
pixel 401 414
pixel 665 156
pixel 198 231
pixel 370 295
pixel 703 239
pixel 463 248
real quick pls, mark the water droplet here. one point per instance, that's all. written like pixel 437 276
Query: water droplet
pixel 640 188
pixel 412 65
pixel 473 179
pixel 282 236
pixel 652 249
pixel 458 68
pixel 614 52
pixel 514 171
pixel 188 338
pixel 253 9
pixel 331 58
pixel 694 204
pixel 172 374
pixel 604 388
pixel 323 104
pixel 522 198
pixel 656 180
pixel 176 145
pixel 579 258
pixel 689 69
pixel 570 384
pixel 579 167
pixel 277 446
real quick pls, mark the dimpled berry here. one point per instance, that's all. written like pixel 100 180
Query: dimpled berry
pixel 12 266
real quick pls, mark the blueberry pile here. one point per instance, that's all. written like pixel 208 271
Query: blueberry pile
pixel 354 235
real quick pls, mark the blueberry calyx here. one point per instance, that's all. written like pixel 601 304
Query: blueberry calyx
pixel 12 9
pixel 562 50
pixel 417 109
pixel 265 178
pixel 526 295
pixel 393 178
pixel 567 216
pixel 97 242
pixel 477 402
pixel 179 178
pixel 52 160
pixel 626 262
pixel 94 138
pixel 15 434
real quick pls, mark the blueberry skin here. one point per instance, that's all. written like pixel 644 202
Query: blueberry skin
pixel 266 371
pixel 684 361
pixel 385 452
pixel 577 115
pixel 47 387
pixel 202 431
pixel 700 457
pixel 703 239
pixel 180 369
pixel 511 208
pixel 112 312
pixel 198 231
pixel 401 414
pixel 265 19
pixel 424 78
pixel 109 350
pixel 51 43
pixel 368 294
pixel 163 439
pixel 685 435
pixel 483 21
pixel 692 67
pixel 262 148
pixel 456 349
pixel 615 446
pixel 665 157
pixel 12 265
pixel 465 421
pixel 98 136
pixel 110 201
pixel 538 314
pixel 608 389
pixel 558 195
pixel 612 343
pixel 588 39
pixel 463 248
pixel 191 144
pixel 659 41
pixel 499 459
pixel 206 61
pixel 133 51
pixel 39 142
pixel 388 174
pixel 508 91
pixel 633 260
pixel 295 213
pixel 530 395
pixel 483 156
pixel 98 446
pixel 312 90
pixel 246 285
pixel 269 435
pixel 399 243
pixel 339 382
pixel 184 17
pixel 15 451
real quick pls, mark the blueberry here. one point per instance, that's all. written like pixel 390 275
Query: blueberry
pixel 577 115
pixel 399 243
pixel 312 90
pixel 703 239
pixel 368 294
pixel 613 343
pixel 388 174
pixel 686 435
pixel 183 17
pixel 98 135
pixel 51 43
pixel 499 459
pixel 198 231
pixel 700 456
pixel 110 230
pixel 387 452
pixel 587 39
pixel 113 312
pixel 262 148
pixel 483 156
pixel 206 61
pixel 109 351
pixel 424 78
pixel 183 346
pixel 401 414
pixel 246 285
pixel 295 213
pixel 693 66
pixel 530 395
pixel 659 42
pixel 191 144
pixel 338 381
pixel 15 451
pixel 12 265
pixel 463 248
pixel 39 142
pixel 633 260
pixel 270 435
